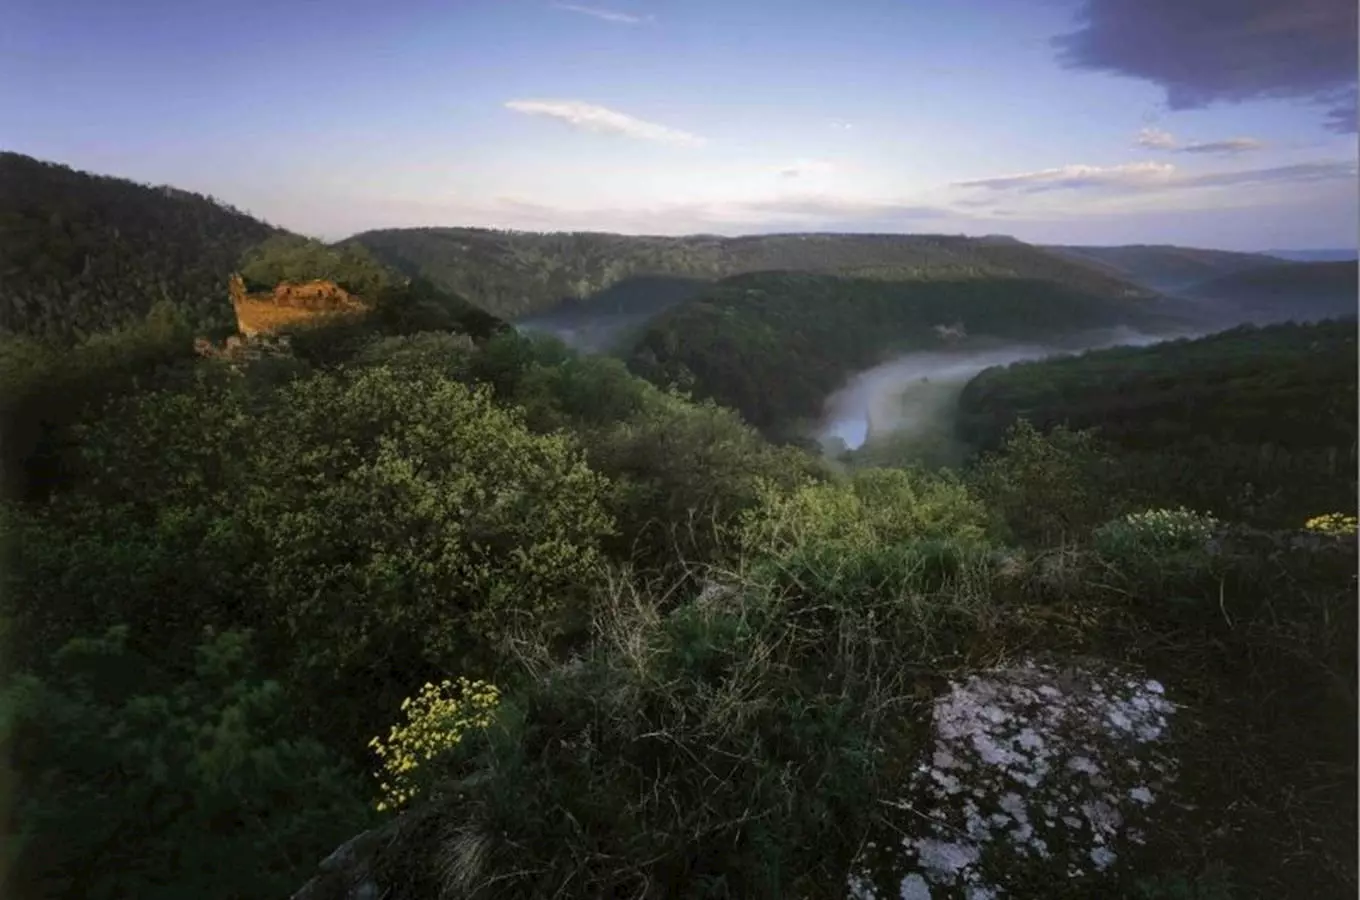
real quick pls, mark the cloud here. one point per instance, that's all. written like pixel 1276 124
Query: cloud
pixel 834 208
pixel 1157 139
pixel 843 126
pixel 1152 177
pixel 1076 177
pixel 805 167
pixel 607 15
pixel 1302 173
pixel 1208 51
pixel 599 119
pixel 1228 147
pixel 1341 117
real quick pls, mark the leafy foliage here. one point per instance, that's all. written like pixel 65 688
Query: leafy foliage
pixel 46 386
pixel 82 254
pixel 1338 524
pixel 290 257
pixel 1251 423
pixel 892 506
pixel 139 780
pixel 1049 488
pixel 436 723
pixel 1156 531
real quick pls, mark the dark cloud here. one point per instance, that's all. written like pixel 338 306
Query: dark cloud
pixel 1302 173
pixel 1341 117
pixel 1207 51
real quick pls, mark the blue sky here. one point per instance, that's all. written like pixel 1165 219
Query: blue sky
pixel 1227 126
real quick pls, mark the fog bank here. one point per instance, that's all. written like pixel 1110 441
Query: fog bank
pixel 916 395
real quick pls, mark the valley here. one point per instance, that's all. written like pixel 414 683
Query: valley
pixel 663 567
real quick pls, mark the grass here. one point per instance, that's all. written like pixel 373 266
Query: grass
pixel 737 742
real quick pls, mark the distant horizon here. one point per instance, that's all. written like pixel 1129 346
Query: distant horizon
pixel 1307 248
pixel 1197 123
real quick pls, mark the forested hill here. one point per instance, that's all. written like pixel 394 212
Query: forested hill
pixel 775 345
pixel 1303 291
pixel 82 253
pixel 1163 267
pixel 1250 422
pixel 517 274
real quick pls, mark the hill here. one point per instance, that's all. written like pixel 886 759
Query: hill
pixel 527 625
pixel 1337 254
pixel 1162 267
pixel 775 345
pixel 82 253
pixel 517 274
pixel 1247 422
pixel 1302 291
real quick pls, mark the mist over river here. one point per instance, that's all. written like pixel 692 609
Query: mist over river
pixel 918 393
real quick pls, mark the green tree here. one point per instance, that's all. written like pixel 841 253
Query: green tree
pixel 138 780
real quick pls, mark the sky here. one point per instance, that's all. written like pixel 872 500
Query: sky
pixel 1211 123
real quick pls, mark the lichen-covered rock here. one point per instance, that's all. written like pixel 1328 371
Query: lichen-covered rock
pixel 1036 774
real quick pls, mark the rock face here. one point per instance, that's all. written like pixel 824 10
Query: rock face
pixel 347 873
pixel 290 305
pixel 1035 775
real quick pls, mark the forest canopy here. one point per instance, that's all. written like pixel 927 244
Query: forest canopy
pixel 82 253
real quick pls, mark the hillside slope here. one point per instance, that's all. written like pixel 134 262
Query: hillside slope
pixel 775 345
pixel 1331 254
pixel 1162 267
pixel 513 274
pixel 83 253
pixel 1304 291
pixel 1266 415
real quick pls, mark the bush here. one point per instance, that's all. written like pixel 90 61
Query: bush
pixel 1334 524
pixel 385 528
pixel 873 507
pixel 411 517
pixel 437 720
pixel 1052 487
pixel 137 780
pixel 1156 531
pixel 714 752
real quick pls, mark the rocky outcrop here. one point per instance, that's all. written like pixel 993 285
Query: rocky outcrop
pixel 348 873
pixel 239 349
pixel 291 304
pixel 1036 774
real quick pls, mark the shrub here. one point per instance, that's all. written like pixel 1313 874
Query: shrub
pixel 1155 531
pixel 137 780
pixel 1334 524
pixel 408 516
pixel 1049 487
pixel 436 720
pixel 712 752
pixel 873 507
